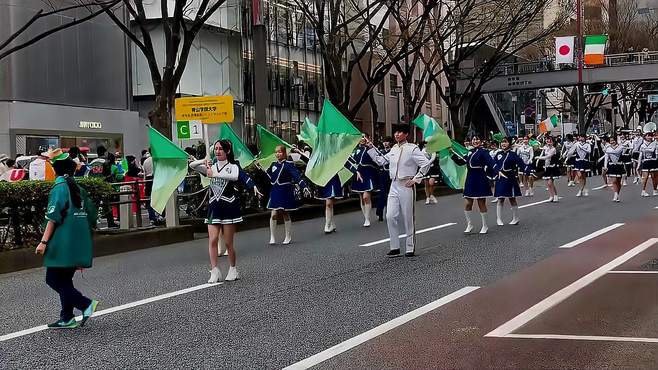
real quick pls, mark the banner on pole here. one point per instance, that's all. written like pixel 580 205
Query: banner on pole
pixel 206 109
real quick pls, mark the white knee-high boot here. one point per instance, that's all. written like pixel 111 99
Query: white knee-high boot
pixel 515 215
pixel 287 224
pixel 273 222
pixel 485 228
pixel 499 213
pixel 367 208
pixel 329 219
pixel 469 221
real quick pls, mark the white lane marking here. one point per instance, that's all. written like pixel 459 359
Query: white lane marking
pixel 113 309
pixel 632 272
pixel 379 330
pixel 591 236
pixel 564 293
pixel 536 203
pixel 405 235
pixel 583 337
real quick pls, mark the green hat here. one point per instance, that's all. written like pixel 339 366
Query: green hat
pixel 55 155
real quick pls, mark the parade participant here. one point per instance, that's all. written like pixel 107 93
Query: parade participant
pixel 369 176
pixel 626 158
pixel 507 165
pixel 384 180
pixel 478 163
pixel 432 174
pixel 493 150
pixel 569 160
pixel 649 163
pixel 283 175
pixel 407 166
pixel 224 211
pixel 582 150
pixel 331 192
pixel 551 168
pixel 66 242
pixel 614 166
pixel 527 173
pixel 637 143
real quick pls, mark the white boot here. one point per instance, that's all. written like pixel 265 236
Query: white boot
pixel 624 182
pixel 272 231
pixel 585 192
pixel 644 193
pixel 427 201
pixel 366 214
pixel 328 215
pixel 527 192
pixel 215 275
pixel 433 199
pixel 499 214
pixel 579 193
pixel 515 216
pixel 485 228
pixel 469 221
pixel 233 274
pixel 532 191
pixel 556 198
pixel 655 192
pixel 615 198
pixel 221 246
pixel 287 224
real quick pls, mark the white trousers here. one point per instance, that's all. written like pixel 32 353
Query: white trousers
pixel 400 213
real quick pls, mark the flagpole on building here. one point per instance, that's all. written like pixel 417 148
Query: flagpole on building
pixel 579 59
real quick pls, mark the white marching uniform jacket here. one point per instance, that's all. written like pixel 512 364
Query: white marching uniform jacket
pixel 405 162
pixel 526 152
pixel 582 150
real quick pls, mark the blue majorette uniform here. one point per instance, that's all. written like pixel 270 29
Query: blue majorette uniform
pixel 527 154
pixel 582 151
pixel 478 162
pixel 551 163
pixel 507 165
pixel 649 156
pixel 283 177
pixel 613 162
pixel 332 189
pixel 368 169
pixel 223 198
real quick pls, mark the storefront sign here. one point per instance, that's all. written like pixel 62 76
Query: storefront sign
pixel 206 109
pixel 90 125
pixel 189 130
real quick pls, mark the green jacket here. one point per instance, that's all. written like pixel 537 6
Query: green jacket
pixel 71 243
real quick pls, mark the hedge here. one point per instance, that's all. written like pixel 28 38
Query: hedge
pixel 23 206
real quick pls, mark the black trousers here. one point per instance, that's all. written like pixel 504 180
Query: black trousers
pixel 60 279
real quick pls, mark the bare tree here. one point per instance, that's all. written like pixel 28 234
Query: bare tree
pixel 486 33
pixel 17 40
pixel 594 101
pixel 180 27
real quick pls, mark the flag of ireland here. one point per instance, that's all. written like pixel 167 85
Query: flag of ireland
pixel 595 49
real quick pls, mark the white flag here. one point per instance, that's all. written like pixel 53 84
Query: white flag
pixel 564 49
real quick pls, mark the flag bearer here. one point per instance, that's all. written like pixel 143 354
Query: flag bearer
pixel 407 167
pixel 479 164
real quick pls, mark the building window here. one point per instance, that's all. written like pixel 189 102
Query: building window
pixel 393 82
pixel 380 88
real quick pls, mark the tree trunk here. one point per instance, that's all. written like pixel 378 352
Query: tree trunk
pixel 453 112
pixel 375 114
pixel 160 115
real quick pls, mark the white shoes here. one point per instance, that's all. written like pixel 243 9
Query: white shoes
pixel 328 229
pixel 272 240
pixel 532 192
pixel 655 192
pixel 215 275
pixel 579 193
pixel 427 201
pixel 586 192
pixel 469 228
pixel 433 199
pixel 556 199
pixel 515 221
pixel 571 184
pixel 233 274
pixel 366 223
pixel 500 222
pixel 624 183
pixel 636 180
pixel 287 240
pixel 495 200
pixel 644 193
pixel 527 192
pixel 484 229
pixel 615 198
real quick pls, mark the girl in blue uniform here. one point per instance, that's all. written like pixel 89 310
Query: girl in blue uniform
pixel 477 186
pixel 507 165
pixel 224 211
pixel 614 165
pixel 368 183
pixel 283 176
pixel 551 168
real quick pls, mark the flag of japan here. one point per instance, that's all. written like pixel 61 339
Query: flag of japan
pixel 564 49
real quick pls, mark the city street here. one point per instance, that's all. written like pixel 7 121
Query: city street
pixel 500 300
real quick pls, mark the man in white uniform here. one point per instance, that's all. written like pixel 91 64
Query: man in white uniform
pixel 407 166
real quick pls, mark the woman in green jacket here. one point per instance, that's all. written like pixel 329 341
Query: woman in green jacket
pixel 66 243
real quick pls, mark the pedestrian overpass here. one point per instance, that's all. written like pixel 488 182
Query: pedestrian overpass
pixel 642 66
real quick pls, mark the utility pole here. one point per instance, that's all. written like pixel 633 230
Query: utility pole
pixel 579 60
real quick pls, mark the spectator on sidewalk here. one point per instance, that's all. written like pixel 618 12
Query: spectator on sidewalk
pixel 66 243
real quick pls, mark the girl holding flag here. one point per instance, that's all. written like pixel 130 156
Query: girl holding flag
pixel 224 211
pixel 368 183
pixel 283 175
pixel 476 187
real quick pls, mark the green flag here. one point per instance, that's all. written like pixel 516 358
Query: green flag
pixel 497 137
pixel 459 149
pixel 267 143
pixel 453 174
pixel 337 138
pixel 435 136
pixel 169 168
pixel 309 134
pixel 240 151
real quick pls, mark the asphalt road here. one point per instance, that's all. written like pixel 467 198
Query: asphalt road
pixel 292 301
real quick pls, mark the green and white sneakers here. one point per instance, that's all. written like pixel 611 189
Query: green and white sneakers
pixel 61 324
pixel 88 312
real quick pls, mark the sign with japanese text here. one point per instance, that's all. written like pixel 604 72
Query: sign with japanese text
pixel 207 109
